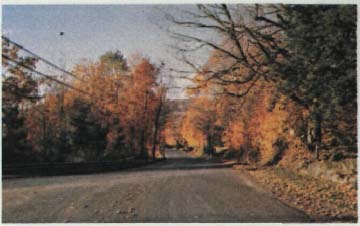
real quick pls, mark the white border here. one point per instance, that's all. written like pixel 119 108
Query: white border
pixel 105 2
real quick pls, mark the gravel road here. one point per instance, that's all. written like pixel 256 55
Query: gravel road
pixel 179 189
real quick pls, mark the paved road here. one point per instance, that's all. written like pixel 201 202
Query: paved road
pixel 169 191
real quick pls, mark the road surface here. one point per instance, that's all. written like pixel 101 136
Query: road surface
pixel 179 189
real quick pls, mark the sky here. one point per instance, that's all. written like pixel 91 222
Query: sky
pixel 92 30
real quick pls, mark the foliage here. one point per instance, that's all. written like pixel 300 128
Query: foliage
pixel 320 72
pixel 200 126
pixel 120 113
pixel 88 136
pixel 19 90
pixel 281 78
pixel 291 68
pixel 114 61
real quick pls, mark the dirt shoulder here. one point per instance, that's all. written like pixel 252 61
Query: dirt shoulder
pixel 322 200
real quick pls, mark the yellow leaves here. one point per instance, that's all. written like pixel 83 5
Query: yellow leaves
pixel 189 130
pixel 234 135
pixel 169 134
pixel 254 124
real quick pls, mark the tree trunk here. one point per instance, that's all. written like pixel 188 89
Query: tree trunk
pixel 44 137
pixel 143 139
pixel 317 134
pixel 132 137
pixel 157 125
pixel 317 128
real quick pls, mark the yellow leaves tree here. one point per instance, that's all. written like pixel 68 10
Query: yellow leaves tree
pixel 107 97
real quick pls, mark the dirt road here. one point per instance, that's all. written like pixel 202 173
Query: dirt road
pixel 179 189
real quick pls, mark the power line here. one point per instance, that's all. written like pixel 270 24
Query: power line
pixel 42 74
pixel 49 77
pixel 18 63
pixel 40 58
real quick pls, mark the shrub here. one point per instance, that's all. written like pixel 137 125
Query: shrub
pixel 279 147
pixel 254 155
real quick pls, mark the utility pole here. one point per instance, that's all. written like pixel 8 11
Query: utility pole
pixel 44 125
pixel 62 139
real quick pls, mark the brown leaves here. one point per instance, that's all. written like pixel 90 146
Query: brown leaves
pixel 323 200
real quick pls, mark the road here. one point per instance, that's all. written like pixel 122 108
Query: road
pixel 179 189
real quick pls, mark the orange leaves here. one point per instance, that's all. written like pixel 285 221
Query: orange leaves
pixel 119 100
pixel 170 133
pixel 199 122
pixel 234 136
pixel 145 73
pixel 264 117
pixel 190 132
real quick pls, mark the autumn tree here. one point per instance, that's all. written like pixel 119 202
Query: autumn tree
pixel 201 125
pixel 292 47
pixel 140 104
pixel 129 102
pixel 56 125
pixel 104 81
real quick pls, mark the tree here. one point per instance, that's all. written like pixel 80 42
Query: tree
pixel 320 72
pixel 19 90
pixel 247 48
pixel 108 111
pixel 140 104
pixel 127 102
pixel 158 123
pixel 307 52
pixel 114 61
pixel 88 136
pixel 116 146
pixel 201 127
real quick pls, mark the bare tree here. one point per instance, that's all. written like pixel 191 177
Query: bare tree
pixel 250 42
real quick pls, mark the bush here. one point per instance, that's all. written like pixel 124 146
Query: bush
pixel 279 146
pixel 230 154
pixel 337 156
pixel 209 150
pixel 254 155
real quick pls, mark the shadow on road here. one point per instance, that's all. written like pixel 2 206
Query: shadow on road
pixel 178 160
pixel 175 160
pixel 184 164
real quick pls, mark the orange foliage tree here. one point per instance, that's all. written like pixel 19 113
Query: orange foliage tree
pixel 110 111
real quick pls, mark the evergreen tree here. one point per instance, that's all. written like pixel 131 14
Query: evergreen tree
pixel 88 136
pixel 116 145
pixel 16 149
pixel 114 61
pixel 320 72
pixel 19 89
